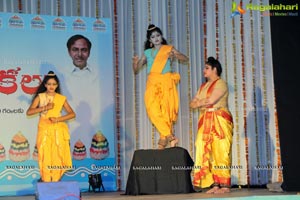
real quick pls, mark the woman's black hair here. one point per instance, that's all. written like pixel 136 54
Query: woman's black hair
pixel 42 88
pixel 152 28
pixel 214 63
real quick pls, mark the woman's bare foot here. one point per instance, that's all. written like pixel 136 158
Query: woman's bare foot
pixel 213 190
pixel 222 190
pixel 197 189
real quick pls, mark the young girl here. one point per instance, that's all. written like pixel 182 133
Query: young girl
pixel 53 138
pixel 161 98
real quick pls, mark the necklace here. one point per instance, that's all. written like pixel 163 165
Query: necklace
pixel 49 98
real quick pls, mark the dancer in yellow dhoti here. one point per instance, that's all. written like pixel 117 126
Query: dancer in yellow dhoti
pixel 215 126
pixel 53 139
pixel 161 98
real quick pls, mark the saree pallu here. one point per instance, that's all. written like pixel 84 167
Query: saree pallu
pixel 161 101
pixel 213 148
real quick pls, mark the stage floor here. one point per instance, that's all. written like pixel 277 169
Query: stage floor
pixel 235 194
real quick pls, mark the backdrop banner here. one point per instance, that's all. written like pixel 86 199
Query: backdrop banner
pixel 32 45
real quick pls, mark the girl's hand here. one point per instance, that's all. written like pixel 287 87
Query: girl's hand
pixel 175 54
pixel 135 61
pixel 49 106
pixel 172 55
pixel 53 119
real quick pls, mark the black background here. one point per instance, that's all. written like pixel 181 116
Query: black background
pixel 285 33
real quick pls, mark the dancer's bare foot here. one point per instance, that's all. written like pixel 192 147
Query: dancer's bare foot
pixel 222 190
pixel 174 142
pixel 213 190
pixel 162 143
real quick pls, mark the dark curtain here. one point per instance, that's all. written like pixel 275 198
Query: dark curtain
pixel 286 54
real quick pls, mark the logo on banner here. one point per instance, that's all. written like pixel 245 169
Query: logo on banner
pixel 266 10
pixel 37 23
pixel 79 24
pixel 237 10
pixel 99 25
pixel 16 22
pixel 59 24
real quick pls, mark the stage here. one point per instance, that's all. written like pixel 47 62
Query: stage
pixel 236 194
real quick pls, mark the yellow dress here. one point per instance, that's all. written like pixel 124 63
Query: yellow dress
pixel 161 97
pixel 53 141
pixel 214 139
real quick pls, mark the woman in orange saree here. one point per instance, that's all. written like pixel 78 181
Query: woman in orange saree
pixel 161 97
pixel 215 126
pixel 53 138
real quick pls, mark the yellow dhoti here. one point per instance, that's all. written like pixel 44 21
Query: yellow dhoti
pixel 161 97
pixel 161 101
pixel 53 144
